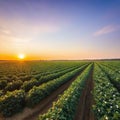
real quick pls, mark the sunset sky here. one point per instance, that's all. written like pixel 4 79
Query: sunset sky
pixel 59 29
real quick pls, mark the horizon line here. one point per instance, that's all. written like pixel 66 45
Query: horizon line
pixel 63 59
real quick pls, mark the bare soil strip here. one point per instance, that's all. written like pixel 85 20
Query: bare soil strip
pixel 84 111
pixel 44 105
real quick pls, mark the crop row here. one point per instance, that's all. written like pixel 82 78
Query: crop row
pixel 112 75
pixel 65 107
pixel 22 69
pixel 12 102
pixel 57 69
pixel 27 85
pixel 38 93
pixel 107 98
pixel 112 66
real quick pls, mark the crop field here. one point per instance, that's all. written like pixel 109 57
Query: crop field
pixel 60 90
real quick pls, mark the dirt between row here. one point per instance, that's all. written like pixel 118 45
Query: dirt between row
pixel 84 110
pixel 44 105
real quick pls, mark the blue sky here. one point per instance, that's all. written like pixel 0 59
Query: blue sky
pixel 60 29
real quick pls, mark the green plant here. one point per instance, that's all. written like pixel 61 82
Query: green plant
pixel 12 102
pixel 37 93
pixel 13 85
pixel 64 108
pixel 3 84
pixel 106 96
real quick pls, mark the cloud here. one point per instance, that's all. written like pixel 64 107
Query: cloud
pixel 28 30
pixel 5 31
pixel 106 30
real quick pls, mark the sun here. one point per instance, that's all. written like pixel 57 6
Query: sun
pixel 21 56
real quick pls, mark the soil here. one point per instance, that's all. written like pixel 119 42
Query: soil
pixel 43 106
pixel 84 110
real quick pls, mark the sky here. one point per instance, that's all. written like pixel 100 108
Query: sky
pixel 59 29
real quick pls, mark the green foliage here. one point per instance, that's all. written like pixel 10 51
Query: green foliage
pixel 27 85
pixel 55 75
pixel 14 85
pixel 25 78
pixel 37 93
pixel 114 76
pixel 3 84
pixel 106 96
pixel 12 102
pixel 1 93
pixel 65 107
pixel 16 75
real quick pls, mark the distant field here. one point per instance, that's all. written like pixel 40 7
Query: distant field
pixel 60 90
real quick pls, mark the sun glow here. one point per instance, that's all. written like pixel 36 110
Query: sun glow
pixel 21 56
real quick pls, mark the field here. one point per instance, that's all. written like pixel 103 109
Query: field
pixel 60 90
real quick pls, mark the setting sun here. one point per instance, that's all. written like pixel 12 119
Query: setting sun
pixel 21 56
